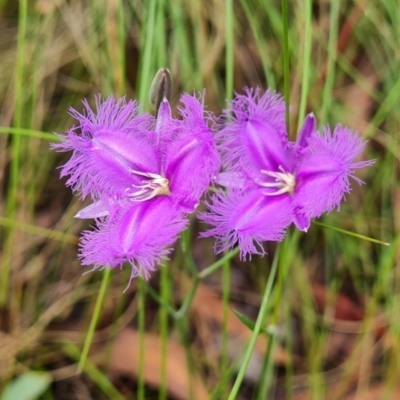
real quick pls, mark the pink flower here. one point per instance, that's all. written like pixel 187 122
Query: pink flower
pixel 270 181
pixel 144 176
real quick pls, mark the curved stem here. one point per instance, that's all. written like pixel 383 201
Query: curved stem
pixel 257 327
pixel 218 264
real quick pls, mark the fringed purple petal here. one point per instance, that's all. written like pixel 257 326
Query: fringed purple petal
pixel 104 155
pixel 247 218
pixel 140 234
pixel 191 159
pixel 254 137
pixel 323 175
pixel 111 114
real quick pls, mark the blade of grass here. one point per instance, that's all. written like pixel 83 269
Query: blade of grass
pixel 36 230
pixel 29 133
pixel 16 147
pixel 94 320
pixel 356 235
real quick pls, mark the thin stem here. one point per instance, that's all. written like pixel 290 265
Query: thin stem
pixel 229 66
pixel 332 53
pixel 178 314
pixel 185 246
pixel 212 268
pixel 229 60
pixel 286 75
pixel 141 293
pixel 226 281
pixel 305 84
pixel 159 299
pixel 29 133
pixel 147 53
pixel 95 319
pixel 163 316
pixel 99 378
pixel 257 327
pixel 188 300
pixel 268 360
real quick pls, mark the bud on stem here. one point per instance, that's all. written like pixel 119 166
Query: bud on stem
pixel 160 88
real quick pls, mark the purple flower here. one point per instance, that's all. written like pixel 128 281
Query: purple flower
pixel 143 174
pixel 270 181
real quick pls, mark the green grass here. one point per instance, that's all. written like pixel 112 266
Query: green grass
pixel 339 60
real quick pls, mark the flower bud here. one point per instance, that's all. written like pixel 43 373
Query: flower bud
pixel 160 88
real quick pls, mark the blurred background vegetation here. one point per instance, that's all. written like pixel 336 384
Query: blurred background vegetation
pixel 334 316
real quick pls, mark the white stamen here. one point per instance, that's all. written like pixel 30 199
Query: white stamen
pixel 284 181
pixel 155 185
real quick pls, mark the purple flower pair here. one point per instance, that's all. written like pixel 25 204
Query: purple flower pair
pixel 270 181
pixel 145 175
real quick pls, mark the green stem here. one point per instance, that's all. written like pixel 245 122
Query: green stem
pixel 99 378
pixel 229 66
pixel 185 247
pixel 141 326
pixel 332 54
pixel 147 53
pixel 257 327
pixel 178 314
pixel 306 63
pixel 218 264
pixel 29 132
pixel 95 319
pixel 188 300
pixel 229 60
pixel 268 360
pixel 286 74
pixel 226 280
pixel 163 316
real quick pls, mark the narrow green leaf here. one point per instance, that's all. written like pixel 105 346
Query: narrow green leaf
pixel 356 235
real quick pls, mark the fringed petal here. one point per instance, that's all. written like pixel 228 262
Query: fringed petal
pixel 103 155
pixel 253 135
pixel 323 175
pixel 247 219
pixel 191 159
pixel 140 234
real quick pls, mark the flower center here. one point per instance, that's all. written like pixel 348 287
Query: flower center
pixel 154 185
pixel 284 182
